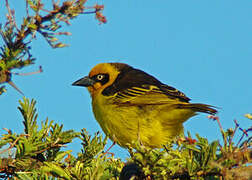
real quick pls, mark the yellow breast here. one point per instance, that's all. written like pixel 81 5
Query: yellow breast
pixel 152 125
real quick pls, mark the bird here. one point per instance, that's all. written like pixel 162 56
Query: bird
pixel 133 106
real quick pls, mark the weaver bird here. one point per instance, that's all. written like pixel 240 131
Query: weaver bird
pixel 131 105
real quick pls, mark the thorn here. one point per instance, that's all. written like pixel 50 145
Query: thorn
pixel 15 87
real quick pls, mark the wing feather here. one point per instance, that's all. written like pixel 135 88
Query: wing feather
pixel 134 85
pixel 148 95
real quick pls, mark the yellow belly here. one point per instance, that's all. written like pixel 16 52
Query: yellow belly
pixel 152 125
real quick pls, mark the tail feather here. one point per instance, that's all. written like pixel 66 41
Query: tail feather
pixel 197 107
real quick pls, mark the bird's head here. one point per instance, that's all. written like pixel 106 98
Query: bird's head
pixel 100 77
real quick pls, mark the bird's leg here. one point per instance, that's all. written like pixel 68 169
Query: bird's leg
pixel 138 131
pixel 138 134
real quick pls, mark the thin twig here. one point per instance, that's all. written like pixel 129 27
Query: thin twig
pixel 240 140
pixel 40 21
pixel 8 8
pixel 216 118
pixel 11 15
pixel 27 8
pixel 30 73
pixel 8 131
pixel 90 12
pixel 52 146
pixel 107 151
pixel 243 134
pixel 14 143
pixel 232 136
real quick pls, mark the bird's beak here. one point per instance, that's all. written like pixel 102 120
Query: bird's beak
pixel 86 82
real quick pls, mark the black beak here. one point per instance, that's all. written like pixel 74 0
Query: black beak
pixel 86 81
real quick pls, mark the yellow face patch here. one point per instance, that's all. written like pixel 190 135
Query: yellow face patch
pixel 97 86
pixel 103 68
pixel 94 89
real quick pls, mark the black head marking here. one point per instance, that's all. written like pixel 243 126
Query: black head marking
pixel 102 78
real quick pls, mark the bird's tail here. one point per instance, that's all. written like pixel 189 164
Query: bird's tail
pixel 197 107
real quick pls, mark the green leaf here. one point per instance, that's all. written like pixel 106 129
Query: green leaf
pixel 55 169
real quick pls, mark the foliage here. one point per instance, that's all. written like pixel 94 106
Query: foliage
pixel 38 153
pixel 195 159
pixel 16 51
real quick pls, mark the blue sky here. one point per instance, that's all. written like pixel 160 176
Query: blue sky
pixel 203 48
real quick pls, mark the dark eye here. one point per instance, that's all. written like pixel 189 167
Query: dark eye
pixel 99 77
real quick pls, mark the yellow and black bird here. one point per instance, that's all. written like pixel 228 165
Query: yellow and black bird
pixel 132 105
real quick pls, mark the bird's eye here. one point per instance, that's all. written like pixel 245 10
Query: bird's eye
pixel 100 77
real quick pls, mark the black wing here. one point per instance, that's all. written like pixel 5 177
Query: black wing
pixel 133 82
